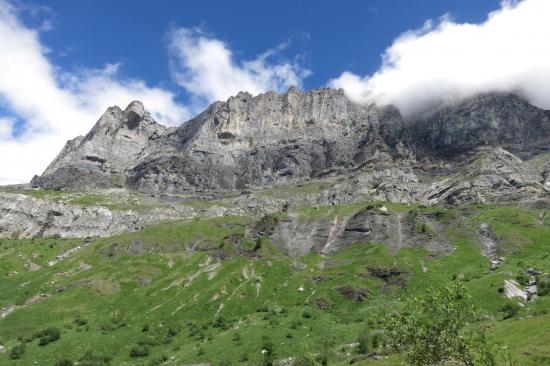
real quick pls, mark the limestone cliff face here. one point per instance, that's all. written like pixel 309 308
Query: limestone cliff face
pixel 100 159
pixel 250 142
pixel 504 120
pixel 278 139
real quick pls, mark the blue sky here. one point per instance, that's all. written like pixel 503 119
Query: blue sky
pixel 332 36
pixel 63 62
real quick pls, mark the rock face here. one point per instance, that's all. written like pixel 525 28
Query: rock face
pixel 118 141
pixel 250 142
pixel 372 225
pixel 504 120
pixel 279 139
pixel 23 216
pixel 492 176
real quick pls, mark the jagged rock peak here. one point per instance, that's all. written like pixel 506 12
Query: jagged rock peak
pixel 116 143
pixel 135 106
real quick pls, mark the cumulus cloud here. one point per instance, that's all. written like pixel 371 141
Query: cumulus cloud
pixel 207 67
pixel 53 106
pixel 47 105
pixel 446 61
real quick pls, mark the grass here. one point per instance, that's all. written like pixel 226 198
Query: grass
pixel 199 301
pixel 113 199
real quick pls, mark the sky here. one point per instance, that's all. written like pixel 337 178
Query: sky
pixel 63 62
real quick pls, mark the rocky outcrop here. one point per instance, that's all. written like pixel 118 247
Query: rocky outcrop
pixel 23 216
pixel 491 176
pixel 118 141
pixel 300 236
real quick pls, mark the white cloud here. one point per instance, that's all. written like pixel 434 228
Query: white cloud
pixel 54 105
pixel 440 63
pixel 207 68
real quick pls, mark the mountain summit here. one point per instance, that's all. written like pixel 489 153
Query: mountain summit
pixel 279 139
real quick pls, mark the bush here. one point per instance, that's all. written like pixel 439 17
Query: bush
pixel 147 341
pixel 80 321
pixel 64 362
pixel 173 331
pixel 91 359
pixel 158 360
pixel 363 343
pixel 139 351
pixel 306 314
pixel 509 310
pixel 220 322
pixel 543 287
pixel 47 336
pixel 268 352
pixel 17 352
pixel 266 225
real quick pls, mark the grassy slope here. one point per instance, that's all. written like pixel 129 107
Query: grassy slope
pixel 152 278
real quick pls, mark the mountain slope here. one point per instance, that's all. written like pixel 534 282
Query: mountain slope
pixel 199 291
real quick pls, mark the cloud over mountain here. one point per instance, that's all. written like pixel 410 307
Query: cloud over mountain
pixel 42 105
pixel 445 61
pixel 206 66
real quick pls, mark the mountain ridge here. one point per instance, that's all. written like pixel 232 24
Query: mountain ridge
pixel 254 142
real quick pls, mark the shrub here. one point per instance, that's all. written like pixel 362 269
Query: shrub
pixel 543 287
pixel 509 310
pixel 220 322
pixel 363 343
pixel 158 360
pixel 268 352
pixel 147 341
pixel 173 331
pixel 266 225
pixel 47 336
pixel 17 352
pixel 80 321
pixel 139 351
pixel 91 359
pixel 64 362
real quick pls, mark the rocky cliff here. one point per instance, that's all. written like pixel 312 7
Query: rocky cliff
pixel 249 143
pixel 117 142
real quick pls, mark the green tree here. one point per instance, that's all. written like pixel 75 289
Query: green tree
pixel 434 328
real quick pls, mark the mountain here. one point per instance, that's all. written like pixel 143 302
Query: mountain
pixel 117 142
pixel 284 221
pixel 280 139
